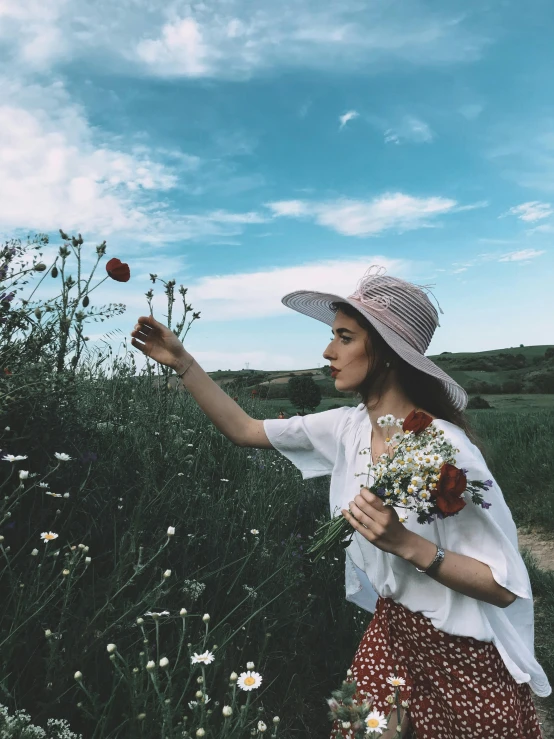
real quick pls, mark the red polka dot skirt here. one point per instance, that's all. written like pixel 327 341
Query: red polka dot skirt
pixel 457 687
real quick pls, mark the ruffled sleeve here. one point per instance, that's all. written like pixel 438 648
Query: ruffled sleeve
pixel 310 442
pixel 486 534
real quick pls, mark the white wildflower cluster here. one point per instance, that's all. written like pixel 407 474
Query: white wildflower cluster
pixel 19 725
pixel 193 589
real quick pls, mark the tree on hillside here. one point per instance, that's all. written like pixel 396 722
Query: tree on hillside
pixel 304 393
pixel 326 370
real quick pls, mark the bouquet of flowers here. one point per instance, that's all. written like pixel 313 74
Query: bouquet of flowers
pixel 418 474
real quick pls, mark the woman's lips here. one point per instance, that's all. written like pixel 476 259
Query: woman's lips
pixel 334 373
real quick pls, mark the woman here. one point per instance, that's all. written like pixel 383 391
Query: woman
pixel 452 600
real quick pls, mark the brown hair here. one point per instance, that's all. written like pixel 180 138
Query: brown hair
pixel 425 391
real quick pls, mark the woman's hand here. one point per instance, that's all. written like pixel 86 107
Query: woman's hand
pixel 377 522
pixel 158 342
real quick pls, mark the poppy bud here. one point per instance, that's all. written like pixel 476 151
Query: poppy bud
pixel 38 313
pixel 54 272
pixel 63 235
pixel 39 267
pixel 86 301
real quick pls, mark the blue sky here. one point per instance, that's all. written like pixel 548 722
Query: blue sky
pixel 248 149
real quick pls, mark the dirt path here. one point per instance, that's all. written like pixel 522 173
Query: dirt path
pixel 541 547
pixel 539 544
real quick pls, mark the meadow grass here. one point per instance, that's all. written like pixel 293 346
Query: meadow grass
pixel 143 459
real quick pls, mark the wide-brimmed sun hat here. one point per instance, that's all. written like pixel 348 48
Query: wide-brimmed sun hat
pixel 400 311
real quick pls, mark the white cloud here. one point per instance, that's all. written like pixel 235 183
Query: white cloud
pixel 180 50
pixel 56 171
pixel 471 111
pixel 365 218
pixel 235 38
pixel 258 294
pixel 410 129
pixel 350 115
pixel 523 254
pixel 532 211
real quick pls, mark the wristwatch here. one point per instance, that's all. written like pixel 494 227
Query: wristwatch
pixel 439 556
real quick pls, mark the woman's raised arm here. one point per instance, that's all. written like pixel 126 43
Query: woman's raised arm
pixel 160 343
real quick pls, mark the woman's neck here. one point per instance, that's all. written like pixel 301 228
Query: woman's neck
pixel 392 401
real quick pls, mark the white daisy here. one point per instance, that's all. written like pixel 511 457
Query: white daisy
pixel 254 531
pixel 382 421
pixel 62 457
pixel 155 615
pixel 11 458
pixel 206 658
pixel 249 680
pixel 54 495
pixel 376 722
pixel 390 419
pixel 48 536
pixel 396 681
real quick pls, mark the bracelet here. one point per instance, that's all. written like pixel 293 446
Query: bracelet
pixel 439 556
pixel 187 369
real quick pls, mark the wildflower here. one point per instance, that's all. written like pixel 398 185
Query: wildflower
pixel 206 658
pixel 200 732
pixel 88 560
pixel 206 618
pixel 376 721
pixel 11 458
pixel 261 726
pixel 48 536
pixel 227 711
pixel 141 717
pixel 157 615
pixel 171 531
pixel 254 531
pixel 183 612
pixel 48 633
pixel 150 665
pixel 23 474
pixel 396 681
pixel 249 680
pixel 34 552
pixel 276 720
pixel 224 480
pixel 233 677
pixel 54 495
pixel 111 648
pixel 43 484
pixel 62 457
pixel 167 574
pixel 164 662
pixel 118 270
pixel 78 676
pixel 66 495
pixel 65 573
pixel 249 665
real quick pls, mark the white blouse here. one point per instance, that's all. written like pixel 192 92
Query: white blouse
pixel 329 443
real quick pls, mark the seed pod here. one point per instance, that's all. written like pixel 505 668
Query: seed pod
pixel 40 267
pixel 54 272
pixel 86 301
pixel 38 313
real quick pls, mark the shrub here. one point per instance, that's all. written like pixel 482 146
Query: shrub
pixel 477 402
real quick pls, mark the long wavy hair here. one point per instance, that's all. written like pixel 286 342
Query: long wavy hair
pixel 424 391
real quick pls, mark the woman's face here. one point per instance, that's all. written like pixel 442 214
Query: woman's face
pixel 347 352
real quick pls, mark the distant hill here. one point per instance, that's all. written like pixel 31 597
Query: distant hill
pixel 522 369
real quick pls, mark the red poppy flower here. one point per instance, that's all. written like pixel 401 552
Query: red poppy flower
pixel 451 485
pixel 416 421
pixel 7 372
pixel 118 270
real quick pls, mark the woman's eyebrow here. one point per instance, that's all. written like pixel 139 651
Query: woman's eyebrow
pixel 342 330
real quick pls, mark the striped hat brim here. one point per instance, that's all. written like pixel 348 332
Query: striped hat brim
pixel 318 305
